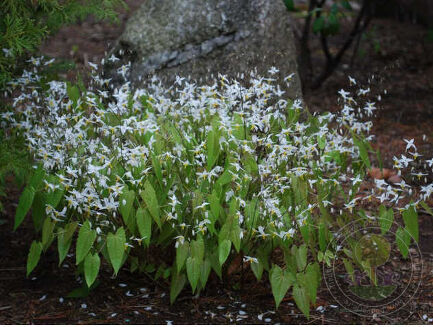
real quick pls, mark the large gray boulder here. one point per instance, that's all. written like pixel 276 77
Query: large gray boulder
pixel 201 38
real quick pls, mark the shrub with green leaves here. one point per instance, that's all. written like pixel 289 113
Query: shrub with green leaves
pixel 180 181
pixel 325 18
pixel 14 161
pixel 24 24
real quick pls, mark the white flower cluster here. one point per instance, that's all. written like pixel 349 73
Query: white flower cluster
pixel 95 142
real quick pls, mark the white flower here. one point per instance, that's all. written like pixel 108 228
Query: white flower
pixel 410 144
pixel 91 64
pixel 113 58
pixel 179 240
pixel 8 52
pixel 273 70
pixel 250 259
pixel 202 206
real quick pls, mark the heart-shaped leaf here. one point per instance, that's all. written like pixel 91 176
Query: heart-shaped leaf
pixel 197 249
pixel 86 237
pixel 224 251
pixel 33 257
pixel 181 254
pixel 301 299
pixel 126 202
pixel 402 239
pixel 280 282
pixel 91 268
pixel 301 257
pixel 149 197
pixel 47 233
pixel 205 271
pixel 177 284
pixel 193 271
pixel 410 218
pixel 116 248
pixel 144 224
pixel 24 205
pixel 64 240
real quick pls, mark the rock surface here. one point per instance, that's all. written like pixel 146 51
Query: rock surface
pixel 198 38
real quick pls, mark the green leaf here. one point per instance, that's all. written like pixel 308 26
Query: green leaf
pixel 362 150
pixel 193 271
pixel 64 240
pixel 224 250
pixel 301 257
pixel 252 213
pixel 24 205
pixel 34 256
pixel 181 254
pixel 38 210
pixel 47 233
pixel 91 268
pixel 322 237
pixel 149 197
pixel 250 164
pixel 426 208
pixel 144 224
pixel 205 271
pixel 73 93
pixel 264 254
pixel 197 249
pixel 280 283
pixel 37 178
pixel 257 268
pixel 236 236
pixel 53 198
pixel 177 284
pixel 402 239
pixel 312 280
pixel 231 231
pixel 86 237
pixel 126 202
pixel 157 168
pixel 215 205
pixel 225 231
pixel 174 132
pixel 410 218
pixel 321 142
pixel 213 148
pixel 116 248
pixel 386 218
pixel 301 299
pixel 239 127
pixel 215 264
pixel 225 178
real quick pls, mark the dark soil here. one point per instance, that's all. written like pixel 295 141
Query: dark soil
pixel 403 62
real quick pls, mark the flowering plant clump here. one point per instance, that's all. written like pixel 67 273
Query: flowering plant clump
pixel 199 172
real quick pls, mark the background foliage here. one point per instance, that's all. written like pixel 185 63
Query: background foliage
pixel 25 23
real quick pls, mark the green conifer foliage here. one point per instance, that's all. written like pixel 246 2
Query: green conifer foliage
pixel 25 23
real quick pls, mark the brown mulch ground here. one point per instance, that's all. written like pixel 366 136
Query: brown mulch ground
pixel 404 63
